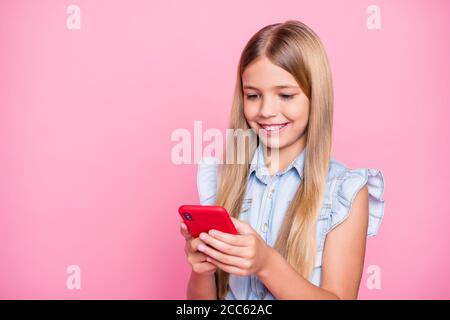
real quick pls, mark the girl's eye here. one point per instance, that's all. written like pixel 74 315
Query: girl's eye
pixel 286 96
pixel 251 96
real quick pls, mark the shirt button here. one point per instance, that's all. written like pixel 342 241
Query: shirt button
pixel 271 193
pixel 265 227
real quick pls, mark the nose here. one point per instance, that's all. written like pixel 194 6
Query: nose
pixel 268 108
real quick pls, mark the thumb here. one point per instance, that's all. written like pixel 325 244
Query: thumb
pixel 242 227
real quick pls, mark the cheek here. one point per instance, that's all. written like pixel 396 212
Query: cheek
pixel 250 113
pixel 297 113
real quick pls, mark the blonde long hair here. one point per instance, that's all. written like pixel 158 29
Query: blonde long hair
pixel 293 46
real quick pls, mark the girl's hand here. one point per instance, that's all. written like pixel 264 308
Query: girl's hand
pixel 196 259
pixel 242 254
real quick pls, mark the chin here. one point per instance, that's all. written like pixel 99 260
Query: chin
pixel 275 144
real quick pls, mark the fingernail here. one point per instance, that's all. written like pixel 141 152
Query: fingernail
pixel 183 226
pixel 201 247
pixel 203 236
pixel 212 233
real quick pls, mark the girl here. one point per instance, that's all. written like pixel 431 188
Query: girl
pixel 303 219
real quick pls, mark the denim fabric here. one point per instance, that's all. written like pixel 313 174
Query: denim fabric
pixel 267 198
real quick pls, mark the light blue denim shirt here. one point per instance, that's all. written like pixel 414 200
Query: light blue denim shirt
pixel 267 198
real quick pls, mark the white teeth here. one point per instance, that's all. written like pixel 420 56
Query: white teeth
pixel 273 128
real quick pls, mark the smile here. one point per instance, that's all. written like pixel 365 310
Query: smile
pixel 273 128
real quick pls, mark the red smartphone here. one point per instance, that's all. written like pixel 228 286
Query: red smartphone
pixel 200 219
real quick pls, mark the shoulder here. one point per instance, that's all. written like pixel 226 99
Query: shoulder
pixel 347 183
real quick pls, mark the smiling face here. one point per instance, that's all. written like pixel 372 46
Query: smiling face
pixel 274 105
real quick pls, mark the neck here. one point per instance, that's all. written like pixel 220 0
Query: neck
pixel 285 155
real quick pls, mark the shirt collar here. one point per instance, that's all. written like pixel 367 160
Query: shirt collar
pixel 257 163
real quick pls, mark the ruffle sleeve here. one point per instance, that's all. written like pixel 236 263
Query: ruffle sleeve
pixel 207 180
pixel 351 181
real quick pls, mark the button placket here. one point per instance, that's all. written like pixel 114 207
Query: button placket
pixel 262 215
pixel 264 226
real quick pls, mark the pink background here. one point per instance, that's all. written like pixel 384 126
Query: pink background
pixel 86 117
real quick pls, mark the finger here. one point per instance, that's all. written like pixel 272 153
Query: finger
pixel 223 246
pixel 227 268
pixel 195 243
pixel 197 257
pixel 191 249
pixel 224 258
pixel 232 239
pixel 242 227
pixel 204 267
pixel 184 231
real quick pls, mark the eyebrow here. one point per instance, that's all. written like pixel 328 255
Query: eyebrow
pixel 274 87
